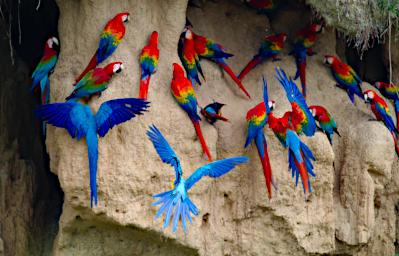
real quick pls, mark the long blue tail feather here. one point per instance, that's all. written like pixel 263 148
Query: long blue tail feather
pixel 92 149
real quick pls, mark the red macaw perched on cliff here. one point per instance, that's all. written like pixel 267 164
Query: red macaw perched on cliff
pixel 183 92
pixel 301 118
pixel 110 38
pixel 80 122
pixel 326 122
pixel 270 48
pixel 263 6
pixel 382 113
pixel 45 68
pixel 256 120
pixel 189 57
pixel 208 49
pixel 345 76
pixel 299 155
pixel 95 81
pixel 148 61
pixel 304 42
pixel 390 91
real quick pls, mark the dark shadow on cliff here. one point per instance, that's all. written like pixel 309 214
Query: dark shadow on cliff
pixel 32 199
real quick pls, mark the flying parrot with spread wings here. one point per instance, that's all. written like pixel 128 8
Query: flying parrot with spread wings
pixel 212 112
pixel 208 49
pixel 95 82
pixel 382 113
pixel 301 118
pixel 176 202
pixel 390 91
pixel 149 62
pixel 345 76
pixel 183 92
pixel 45 67
pixel 304 41
pixel 110 38
pixel 80 122
pixel 257 118
pixel 326 123
pixel 270 48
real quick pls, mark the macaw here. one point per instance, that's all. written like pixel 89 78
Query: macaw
pixel 110 38
pixel 345 76
pixel 299 155
pixel 270 48
pixel 390 91
pixel 149 62
pixel 382 113
pixel 78 119
pixel 189 57
pixel 264 6
pixel 45 68
pixel 208 49
pixel 212 112
pixel 304 42
pixel 301 118
pixel 95 81
pixel 326 122
pixel 183 92
pixel 176 202
pixel 256 120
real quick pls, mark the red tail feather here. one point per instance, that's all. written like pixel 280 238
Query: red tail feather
pixel 304 174
pixel 220 117
pixel 202 140
pixel 302 77
pixel 92 64
pixel 267 170
pixel 251 65
pixel 233 76
pixel 144 84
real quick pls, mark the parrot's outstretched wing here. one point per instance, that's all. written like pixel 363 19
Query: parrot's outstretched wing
pixel 164 150
pixel 215 169
pixel 69 115
pixel 117 111
pixel 296 99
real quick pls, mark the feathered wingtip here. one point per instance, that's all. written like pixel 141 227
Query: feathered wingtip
pixel 174 204
pixel 265 95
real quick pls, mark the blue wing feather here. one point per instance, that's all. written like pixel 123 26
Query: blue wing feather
pixel 214 169
pixel 117 111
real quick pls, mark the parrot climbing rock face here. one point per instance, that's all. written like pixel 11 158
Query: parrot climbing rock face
pixel 390 91
pixel 110 38
pixel 149 62
pixel 382 113
pixel 80 122
pixel 263 6
pixel 208 49
pixel 183 92
pixel 345 76
pixel 46 65
pixel 304 41
pixel 326 123
pixel 176 203
pixel 257 118
pixel 189 57
pixel 212 112
pixel 95 81
pixel 300 157
pixel 270 48
pixel 301 118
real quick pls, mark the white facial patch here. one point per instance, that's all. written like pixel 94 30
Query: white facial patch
pixel 117 68
pixel 125 18
pixel 189 35
pixel 50 43
pixel 370 95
